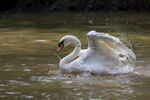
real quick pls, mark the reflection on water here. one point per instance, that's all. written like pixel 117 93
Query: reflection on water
pixel 29 66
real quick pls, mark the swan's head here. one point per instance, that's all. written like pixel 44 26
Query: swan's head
pixel 66 40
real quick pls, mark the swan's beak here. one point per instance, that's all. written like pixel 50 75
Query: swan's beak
pixel 59 49
pixel 60 45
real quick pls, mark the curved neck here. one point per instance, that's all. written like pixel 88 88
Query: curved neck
pixel 72 55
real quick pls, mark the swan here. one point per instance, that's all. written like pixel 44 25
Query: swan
pixel 105 54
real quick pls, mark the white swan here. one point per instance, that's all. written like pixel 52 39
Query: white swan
pixel 105 54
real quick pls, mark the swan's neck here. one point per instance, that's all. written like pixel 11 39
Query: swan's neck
pixel 66 60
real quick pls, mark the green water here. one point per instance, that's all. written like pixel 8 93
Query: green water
pixel 29 67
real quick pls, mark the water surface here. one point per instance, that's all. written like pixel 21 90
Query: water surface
pixel 29 67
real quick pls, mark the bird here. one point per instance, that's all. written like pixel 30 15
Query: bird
pixel 105 54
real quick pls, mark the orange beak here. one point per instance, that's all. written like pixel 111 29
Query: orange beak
pixel 59 49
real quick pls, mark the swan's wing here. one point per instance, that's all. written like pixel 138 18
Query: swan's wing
pixel 109 47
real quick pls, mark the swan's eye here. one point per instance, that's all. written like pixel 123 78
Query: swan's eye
pixel 61 43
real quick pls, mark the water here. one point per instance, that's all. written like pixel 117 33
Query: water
pixel 29 66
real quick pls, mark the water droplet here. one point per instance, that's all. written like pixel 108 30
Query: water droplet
pixel 28 96
pixel 26 70
pixel 90 21
pixel 12 92
pixel 41 40
pixel 68 82
pixel 23 64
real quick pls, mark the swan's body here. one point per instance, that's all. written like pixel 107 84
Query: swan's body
pixel 105 54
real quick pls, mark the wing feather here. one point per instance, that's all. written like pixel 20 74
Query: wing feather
pixel 109 46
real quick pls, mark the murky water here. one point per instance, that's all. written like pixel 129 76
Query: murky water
pixel 29 67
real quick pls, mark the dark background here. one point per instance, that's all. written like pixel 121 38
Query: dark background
pixel 74 5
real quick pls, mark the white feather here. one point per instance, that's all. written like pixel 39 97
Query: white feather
pixel 105 54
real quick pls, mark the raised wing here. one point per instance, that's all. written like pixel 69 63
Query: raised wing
pixel 109 47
